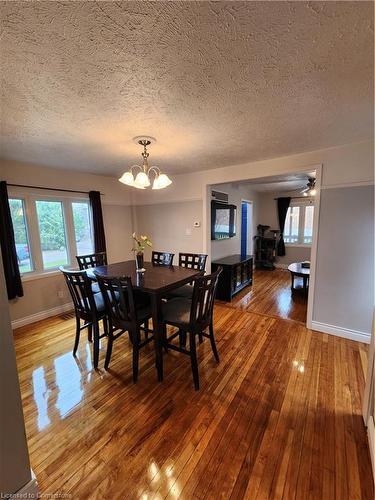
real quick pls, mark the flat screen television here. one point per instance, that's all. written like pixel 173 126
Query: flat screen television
pixel 223 220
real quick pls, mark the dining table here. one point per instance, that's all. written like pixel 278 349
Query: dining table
pixel 156 281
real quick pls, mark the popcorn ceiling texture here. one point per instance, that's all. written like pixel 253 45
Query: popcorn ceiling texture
pixel 217 83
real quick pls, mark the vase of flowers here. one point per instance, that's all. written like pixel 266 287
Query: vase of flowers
pixel 140 243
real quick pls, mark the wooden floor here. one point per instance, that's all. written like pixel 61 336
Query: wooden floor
pixel 271 295
pixel 279 417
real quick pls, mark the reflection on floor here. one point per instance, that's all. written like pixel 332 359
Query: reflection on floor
pixel 271 295
pixel 279 417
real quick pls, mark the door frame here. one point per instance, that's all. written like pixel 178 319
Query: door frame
pixel 251 231
pixel 206 225
pixel 369 396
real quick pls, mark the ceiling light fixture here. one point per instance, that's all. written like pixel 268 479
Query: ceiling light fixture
pixel 141 177
pixel 310 189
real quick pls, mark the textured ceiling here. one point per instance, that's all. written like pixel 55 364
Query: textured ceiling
pixel 217 83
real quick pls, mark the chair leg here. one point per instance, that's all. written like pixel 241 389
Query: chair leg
pixel 147 328
pixel 200 336
pixel 96 343
pixel 194 361
pixel 105 325
pixel 89 333
pixel 135 356
pixel 182 338
pixel 213 344
pixel 109 351
pixel 78 331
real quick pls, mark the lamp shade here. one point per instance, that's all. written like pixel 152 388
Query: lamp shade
pixel 127 178
pixel 163 181
pixel 142 180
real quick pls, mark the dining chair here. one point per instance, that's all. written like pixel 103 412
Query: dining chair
pixel 124 316
pixel 92 260
pixel 190 261
pixel 89 307
pixel 193 317
pixel 162 258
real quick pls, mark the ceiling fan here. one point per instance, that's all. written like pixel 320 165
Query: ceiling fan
pixel 309 190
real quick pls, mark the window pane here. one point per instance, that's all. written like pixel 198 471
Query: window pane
pixel 291 225
pixel 82 228
pixel 52 233
pixel 17 211
pixel 307 232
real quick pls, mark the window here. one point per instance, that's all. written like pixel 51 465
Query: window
pixel 299 224
pixel 82 228
pixel 17 211
pixel 50 232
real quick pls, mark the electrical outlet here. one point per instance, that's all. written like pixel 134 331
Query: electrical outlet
pixel 60 294
pixel 188 231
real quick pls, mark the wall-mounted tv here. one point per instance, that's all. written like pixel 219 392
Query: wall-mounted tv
pixel 223 220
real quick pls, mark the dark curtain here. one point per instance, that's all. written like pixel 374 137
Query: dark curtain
pixel 282 208
pixel 8 247
pixel 98 225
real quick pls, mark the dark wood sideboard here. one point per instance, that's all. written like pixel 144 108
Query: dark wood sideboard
pixel 237 274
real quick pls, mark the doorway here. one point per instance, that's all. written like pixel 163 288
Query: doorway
pixel 246 227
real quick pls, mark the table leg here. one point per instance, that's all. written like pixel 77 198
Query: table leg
pixel 292 283
pixel 158 334
pixel 305 284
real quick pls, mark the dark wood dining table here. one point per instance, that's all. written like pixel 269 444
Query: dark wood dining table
pixel 156 281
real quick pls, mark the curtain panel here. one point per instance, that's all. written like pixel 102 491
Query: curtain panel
pixel 8 247
pixel 98 224
pixel 282 209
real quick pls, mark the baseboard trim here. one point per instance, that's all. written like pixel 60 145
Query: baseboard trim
pixel 27 320
pixel 339 331
pixel 30 490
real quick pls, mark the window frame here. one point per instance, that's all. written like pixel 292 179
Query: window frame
pixel 302 204
pixel 29 200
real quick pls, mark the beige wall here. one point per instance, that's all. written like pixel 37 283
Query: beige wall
pixel 343 166
pixel 171 226
pixel 268 216
pixel 236 193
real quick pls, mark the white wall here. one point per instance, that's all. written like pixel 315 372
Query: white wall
pixel 267 215
pixel 236 193
pixel 171 226
pixel 344 290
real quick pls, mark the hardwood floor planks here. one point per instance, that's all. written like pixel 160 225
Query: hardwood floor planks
pixel 279 417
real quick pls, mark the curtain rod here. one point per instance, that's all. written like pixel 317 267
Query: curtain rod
pixel 50 189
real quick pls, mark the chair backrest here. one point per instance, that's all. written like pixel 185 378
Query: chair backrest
pixel 92 260
pixel 203 300
pixel 192 260
pixel 119 299
pixel 79 286
pixel 162 258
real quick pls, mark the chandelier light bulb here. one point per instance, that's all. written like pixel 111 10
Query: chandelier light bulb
pixel 127 178
pixel 140 176
pixel 164 181
pixel 142 180
pixel 313 192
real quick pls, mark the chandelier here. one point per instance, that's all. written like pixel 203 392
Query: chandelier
pixel 141 177
pixel 310 189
